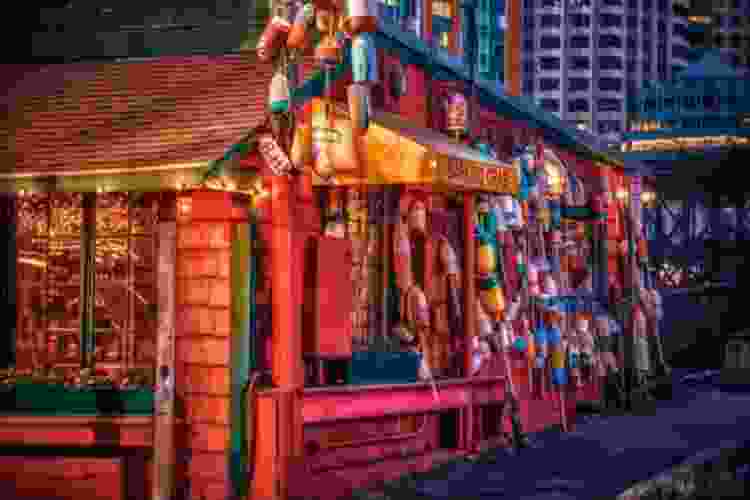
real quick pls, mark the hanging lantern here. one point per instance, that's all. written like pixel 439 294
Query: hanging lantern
pixel 278 93
pixel 541 345
pixel 555 237
pixel 361 16
pixel 520 263
pixel 456 114
pixel 274 34
pixel 298 34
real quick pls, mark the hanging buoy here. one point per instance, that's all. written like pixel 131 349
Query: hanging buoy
pixel 273 36
pixel 520 263
pixel 327 52
pixel 581 323
pixel 533 277
pixel 484 323
pixel 298 34
pixel 540 343
pixel 497 210
pixel 486 261
pixel 359 106
pixel 555 237
pixel 361 16
pixel 364 59
pixel 493 301
pixel 642 249
pixel 550 287
pixel 278 93
pixel 302 150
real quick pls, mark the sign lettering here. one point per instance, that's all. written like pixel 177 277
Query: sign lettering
pixel 276 159
pixel 462 174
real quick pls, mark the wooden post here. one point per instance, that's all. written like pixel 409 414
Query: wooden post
pixel 512 49
pixel 426 20
pixel 470 307
pixel 164 402
pixel 288 368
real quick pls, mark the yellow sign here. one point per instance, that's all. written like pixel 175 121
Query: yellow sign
pixel 470 175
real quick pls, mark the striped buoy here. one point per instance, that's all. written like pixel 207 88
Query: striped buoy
pixel 484 323
pixel 361 16
pixel 486 259
pixel 533 280
pixel 364 59
pixel 278 93
pixel 298 34
pixel 557 355
pixel 274 34
pixel 359 106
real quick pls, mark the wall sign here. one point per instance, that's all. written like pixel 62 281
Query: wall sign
pixel 464 174
pixel 275 157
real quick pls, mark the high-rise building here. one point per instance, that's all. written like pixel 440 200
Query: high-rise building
pixel 721 24
pixel 582 59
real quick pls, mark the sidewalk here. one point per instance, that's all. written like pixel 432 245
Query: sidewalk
pixel 603 457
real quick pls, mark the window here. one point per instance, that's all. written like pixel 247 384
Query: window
pixel 551 3
pixel 680 51
pixel 646 67
pixel 610 20
pixel 689 102
pixel 632 43
pixel 661 27
pixel 549 21
pixel 631 66
pixel 549 63
pixel 633 22
pixel 547 84
pixel 610 63
pixel 646 45
pixel 632 4
pixel 610 42
pixel 609 105
pixel 552 105
pixel 613 3
pixel 528 67
pixel 578 84
pixel 122 273
pixel 668 103
pixel 680 30
pixel 579 42
pixel 528 45
pixel 580 20
pixel 610 84
pixel 549 42
pixel 646 4
pixel 646 25
pixel 579 62
pixel 528 86
pixel 609 127
pixel 664 6
pixel 528 21
pixel 578 106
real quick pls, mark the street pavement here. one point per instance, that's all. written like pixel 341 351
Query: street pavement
pixel 603 456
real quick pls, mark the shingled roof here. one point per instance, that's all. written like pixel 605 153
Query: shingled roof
pixel 163 112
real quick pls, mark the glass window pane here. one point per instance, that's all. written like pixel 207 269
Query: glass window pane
pixel 111 214
pixel 66 215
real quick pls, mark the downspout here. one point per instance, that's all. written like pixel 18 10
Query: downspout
pixel 240 355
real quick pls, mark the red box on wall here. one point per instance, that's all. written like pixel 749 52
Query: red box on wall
pixel 328 298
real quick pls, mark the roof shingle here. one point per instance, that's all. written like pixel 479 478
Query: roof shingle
pixel 145 113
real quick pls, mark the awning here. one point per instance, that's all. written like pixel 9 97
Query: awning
pixel 394 151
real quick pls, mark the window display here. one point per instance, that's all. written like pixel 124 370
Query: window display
pixel 53 232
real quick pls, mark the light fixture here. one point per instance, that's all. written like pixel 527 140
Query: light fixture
pixel 621 194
